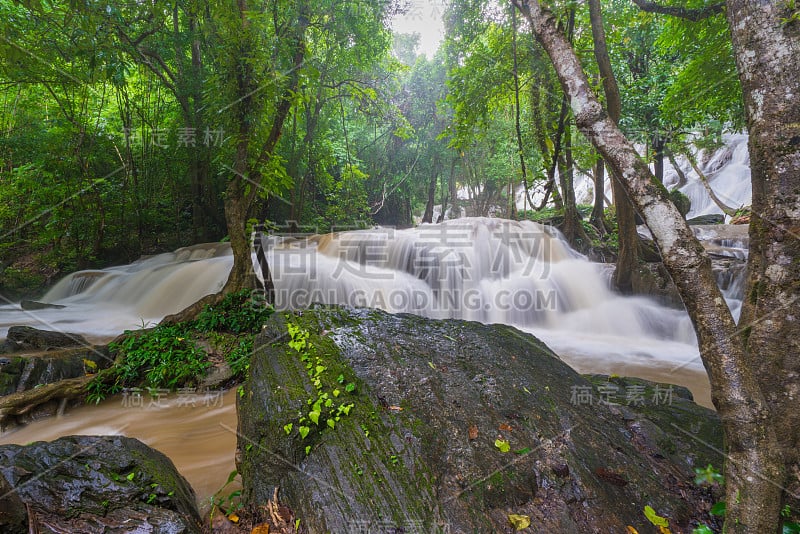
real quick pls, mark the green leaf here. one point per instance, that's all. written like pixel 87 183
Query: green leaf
pixel 303 430
pixel 718 509
pixel 519 522
pixel 654 518
pixel 131 475
pixel 288 428
pixel 702 529
pixel 336 392
pixel 308 449
pixel 525 450
pixel 791 528
pixel 314 416
pixel 350 387
pixel 331 423
pixel 502 445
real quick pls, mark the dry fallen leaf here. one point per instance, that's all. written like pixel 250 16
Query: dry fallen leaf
pixel 631 530
pixel 473 432
pixel 263 528
pixel 233 518
pixel 507 428
pixel 395 408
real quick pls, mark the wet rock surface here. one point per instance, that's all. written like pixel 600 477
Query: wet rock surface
pixel 454 426
pixel 110 484
pixel 22 372
pixel 28 338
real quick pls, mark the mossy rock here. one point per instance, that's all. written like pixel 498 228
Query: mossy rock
pixel 454 426
pixel 100 484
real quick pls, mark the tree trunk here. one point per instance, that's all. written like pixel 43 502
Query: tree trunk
pixel 427 217
pixel 455 207
pixel 629 247
pixel 517 123
pixel 598 217
pixel 754 461
pixel 767 51
pixel 571 227
pixel 657 145
pixel 239 197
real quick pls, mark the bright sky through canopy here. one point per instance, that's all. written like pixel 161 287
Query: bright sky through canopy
pixel 425 18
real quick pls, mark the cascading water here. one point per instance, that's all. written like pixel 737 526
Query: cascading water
pixel 103 303
pixel 728 173
pixel 488 270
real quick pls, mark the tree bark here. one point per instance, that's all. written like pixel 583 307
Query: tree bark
pixel 598 216
pixel 767 52
pixel 629 250
pixel 754 460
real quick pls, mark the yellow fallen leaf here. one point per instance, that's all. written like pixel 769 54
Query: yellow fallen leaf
pixel 233 518
pixel 631 530
pixel 395 408
pixel 263 528
pixel 519 522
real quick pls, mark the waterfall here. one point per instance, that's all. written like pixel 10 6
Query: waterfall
pixel 728 173
pixel 480 269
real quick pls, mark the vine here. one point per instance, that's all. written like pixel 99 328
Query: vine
pixel 325 407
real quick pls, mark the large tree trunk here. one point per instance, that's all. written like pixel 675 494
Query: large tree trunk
pixel 767 51
pixel 629 248
pixel 754 460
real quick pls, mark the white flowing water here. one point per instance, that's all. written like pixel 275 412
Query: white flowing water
pixel 488 270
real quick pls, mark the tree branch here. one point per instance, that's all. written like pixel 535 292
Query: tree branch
pixel 681 12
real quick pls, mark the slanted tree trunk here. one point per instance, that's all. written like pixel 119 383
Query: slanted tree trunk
pixel 754 455
pixel 629 248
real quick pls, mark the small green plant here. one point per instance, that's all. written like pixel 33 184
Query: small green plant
pixel 226 503
pixel 164 357
pixel 325 408
pixel 238 313
pixel 707 475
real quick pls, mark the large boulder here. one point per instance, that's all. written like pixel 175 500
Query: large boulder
pixel 28 338
pixel 110 484
pixel 454 426
pixel 21 372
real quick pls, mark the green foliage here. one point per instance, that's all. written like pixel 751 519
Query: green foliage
pixel 163 357
pixel 325 407
pixel 237 313
pixel 707 475
pixel 239 357
pixel 226 502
